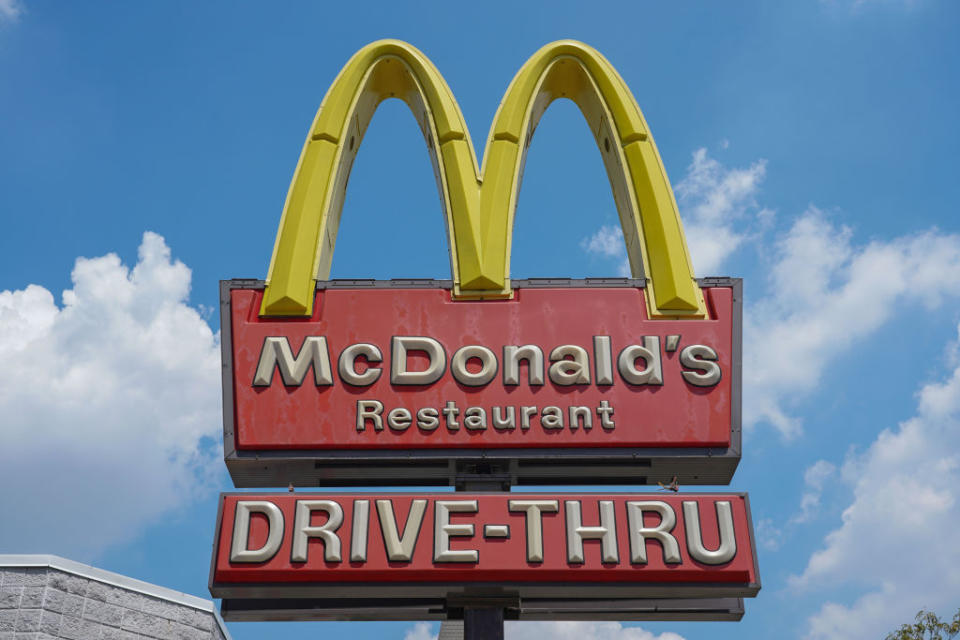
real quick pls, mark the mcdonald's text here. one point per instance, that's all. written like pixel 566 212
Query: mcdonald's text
pixel 570 365
pixel 394 368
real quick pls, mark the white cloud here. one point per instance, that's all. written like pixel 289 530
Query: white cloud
pixel 714 193
pixel 856 5
pixel 10 10
pixel 556 631
pixel 825 296
pixel 608 243
pixel 581 631
pixel 716 204
pixel 768 534
pixel 110 404
pixel 897 540
pixel 815 478
pixel 420 631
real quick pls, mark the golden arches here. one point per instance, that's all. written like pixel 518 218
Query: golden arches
pixel 311 214
pixel 479 205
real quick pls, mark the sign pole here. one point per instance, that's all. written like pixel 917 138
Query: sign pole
pixel 482 620
pixel 483 623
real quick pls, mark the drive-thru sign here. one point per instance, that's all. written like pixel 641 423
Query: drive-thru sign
pixel 482 382
pixel 531 547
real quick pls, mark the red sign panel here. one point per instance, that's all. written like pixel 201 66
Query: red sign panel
pixel 625 545
pixel 392 368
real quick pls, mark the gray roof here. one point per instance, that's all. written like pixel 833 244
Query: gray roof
pixel 33 565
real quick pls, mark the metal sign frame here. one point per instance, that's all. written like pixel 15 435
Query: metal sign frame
pixel 633 601
pixel 370 609
pixel 454 466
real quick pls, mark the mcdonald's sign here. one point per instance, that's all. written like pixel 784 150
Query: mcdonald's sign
pixel 614 380
pixel 541 556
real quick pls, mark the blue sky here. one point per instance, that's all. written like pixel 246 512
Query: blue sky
pixel 146 149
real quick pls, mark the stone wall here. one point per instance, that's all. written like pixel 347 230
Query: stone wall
pixel 46 597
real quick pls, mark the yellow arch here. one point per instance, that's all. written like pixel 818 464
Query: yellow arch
pixel 479 205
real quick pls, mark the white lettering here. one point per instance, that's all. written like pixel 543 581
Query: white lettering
pixel 577 533
pixel 551 418
pixel 303 530
pixel 650 353
pixel 399 419
pixel 639 533
pixel 401 346
pixel 347 365
pixel 566 372
pixel 534 522
pixel 702 359
pixel 475 419
pixel 443 531
pixel 488 365
pixel 240 550
pixel 728 541
pixel 512 355
pixel 369 410
pixel 276 353
pixel 400 549
pixel 428 419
